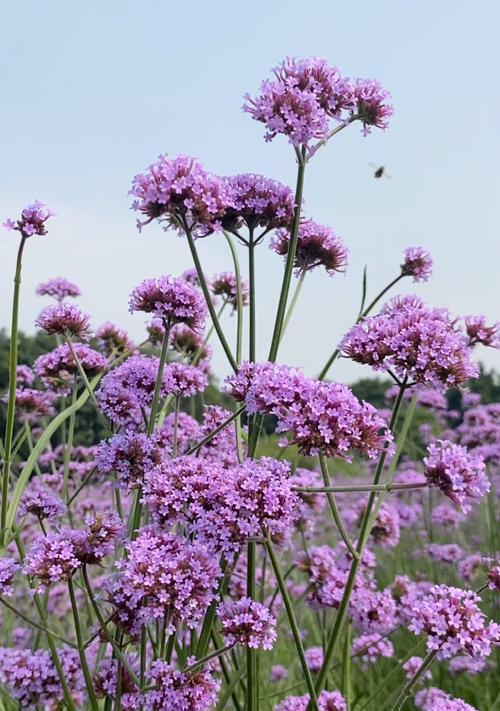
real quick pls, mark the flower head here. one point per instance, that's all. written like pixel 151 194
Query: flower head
pixel 41 502
pixel 300 100
pixel 417 264
pixel 458 473
pixel 453 623
pixel 8 569
pixel 171 299
pixel 225 285
pixel 247 622
pixel 372 108
pixel 59 369
pixel 64 319
pixel 189 691
pixel 112 339
pixel 479 332
pixel 317 245
pixel 182 193
pixel 32 220
pixel 257 201
pixel 413 340
pixel 327 701
pixel 58 287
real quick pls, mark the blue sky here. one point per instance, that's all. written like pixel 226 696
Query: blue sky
pixel 92 92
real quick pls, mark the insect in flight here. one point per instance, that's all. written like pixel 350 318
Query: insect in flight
pixel 380 171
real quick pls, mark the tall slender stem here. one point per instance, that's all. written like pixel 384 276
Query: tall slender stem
pixel 11 406
pixel 292 248
pixel 293 624
pixel 293 302
pixel 81 649
pixel 237 274
pixel 210 306
pixel 159 378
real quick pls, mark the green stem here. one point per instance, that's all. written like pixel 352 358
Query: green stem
pixel 346 667
pixel 159 378
pixel 252 300
pixel 292 248
pixel 348 489
pixel 83 659
pixel 293 302
pixel 11 406
pixel 68 445
pixel 334 508
pixel 210 306
pixel 237 273
pixel 293 624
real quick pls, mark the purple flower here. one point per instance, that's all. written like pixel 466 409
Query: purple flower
pixel 373 611
pixel 453 623
pixel 8 568
pixel 180 192
pixel 24 376
pixel 32 679
pixel 225 285
pixel 445 552
pixel 64 319
pixel 130 455
pixel 113 340
pixel 314 658
pixel 166 577
pixel 417 264
pixel 32 404
pixel 412 666
pixel 469 567
pixel 323 417
pixel 127 391
pixel 102 529
pixel 58 368
pixel 252 499
pixel 412 340
pixel 177 490
pixel 479 332
pixel 445 515
pixel 458 473
pixel 433 699
pixel 385 529
pixel 327 701
pixel 372 108
pixel 42 503
pixel 278 673
pixel 257 201
pixel 247 622
pixel 300 100
pixel 467 665
pixel 32 220
pixel 196 691
pixel 370 647
pixel 52 559
pixel 58 287
pixel 171 299
pixel 494 577
pixel 317 245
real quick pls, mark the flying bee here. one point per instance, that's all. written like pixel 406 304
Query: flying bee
pixel 380 171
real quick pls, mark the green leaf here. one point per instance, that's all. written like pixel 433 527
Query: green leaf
pixel 40 446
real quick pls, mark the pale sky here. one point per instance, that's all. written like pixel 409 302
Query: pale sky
pixel 93 92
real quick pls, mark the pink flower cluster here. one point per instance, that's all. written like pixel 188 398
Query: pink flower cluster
pixel 322 417
pixel 317 246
